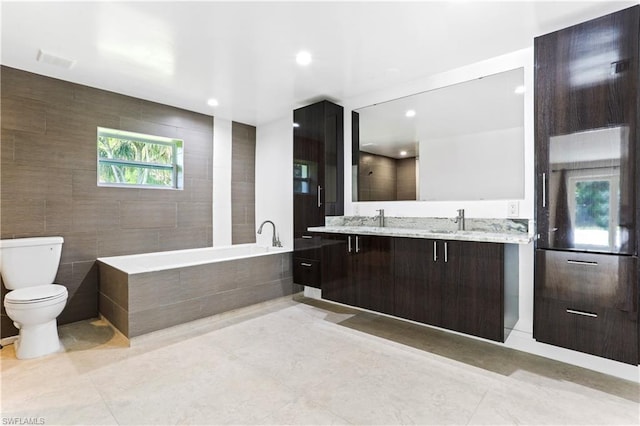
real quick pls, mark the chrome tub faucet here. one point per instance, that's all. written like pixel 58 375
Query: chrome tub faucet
pixel 275 241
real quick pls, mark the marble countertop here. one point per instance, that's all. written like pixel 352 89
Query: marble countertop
pixel 479 236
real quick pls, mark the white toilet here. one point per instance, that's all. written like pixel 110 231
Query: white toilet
pixel 28 267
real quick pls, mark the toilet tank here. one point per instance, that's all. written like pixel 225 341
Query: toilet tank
pixel 27 262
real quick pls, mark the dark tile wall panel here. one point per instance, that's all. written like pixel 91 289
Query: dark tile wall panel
pixel 406 179
pixel 376 178
pixel 48 181
pixel 243 188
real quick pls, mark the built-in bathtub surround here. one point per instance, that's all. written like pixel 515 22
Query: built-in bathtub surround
pixel 148 292
pixel 49 184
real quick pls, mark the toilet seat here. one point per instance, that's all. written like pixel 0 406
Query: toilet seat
pixel 37 294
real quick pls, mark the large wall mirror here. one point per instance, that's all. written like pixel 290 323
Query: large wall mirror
pixel 459 142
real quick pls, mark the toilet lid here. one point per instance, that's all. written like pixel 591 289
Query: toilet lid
pixel 37 293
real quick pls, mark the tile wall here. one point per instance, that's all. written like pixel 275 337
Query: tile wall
pixel 382 178
pixel 243 187
pixel 48 180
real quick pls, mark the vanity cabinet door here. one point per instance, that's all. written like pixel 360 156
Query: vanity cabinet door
pixel 336 270
pixel 358 271
pixel 418 291
pixel 372 267
pixel 472 281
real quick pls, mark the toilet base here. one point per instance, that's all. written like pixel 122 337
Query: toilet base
pixel 37 340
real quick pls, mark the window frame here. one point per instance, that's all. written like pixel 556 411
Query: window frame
pixel 176 166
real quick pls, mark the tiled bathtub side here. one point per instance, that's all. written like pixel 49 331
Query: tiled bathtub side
pixel 158 300
pixel 113 296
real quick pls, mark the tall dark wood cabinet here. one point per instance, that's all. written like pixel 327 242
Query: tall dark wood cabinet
pixel 318 183
pixel 586 136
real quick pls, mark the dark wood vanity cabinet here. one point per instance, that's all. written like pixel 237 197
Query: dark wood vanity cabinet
pixel 358 270
pixel 318 183
pixel 586 137
pixel 457 285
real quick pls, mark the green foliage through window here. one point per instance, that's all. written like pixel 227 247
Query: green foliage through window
pixel 134 159
pixel 592 204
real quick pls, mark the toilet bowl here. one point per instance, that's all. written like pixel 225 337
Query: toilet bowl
pixel 28 267
pixel 34 311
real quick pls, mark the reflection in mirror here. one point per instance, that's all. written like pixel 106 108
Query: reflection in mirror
pixel 460 142
pixel 584 189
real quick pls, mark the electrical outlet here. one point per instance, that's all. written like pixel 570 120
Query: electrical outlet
pixel 512 209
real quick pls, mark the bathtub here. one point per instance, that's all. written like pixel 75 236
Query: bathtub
pixel 142 293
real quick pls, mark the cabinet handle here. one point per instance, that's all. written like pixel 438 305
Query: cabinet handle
pixel 357 244
pixel 308 265
pixel 582 262
pixel 583 313
pixel 349 239
pixel 307 237
pixel 446 253
pixel 319 198
pixel 544 190
pixel 435 251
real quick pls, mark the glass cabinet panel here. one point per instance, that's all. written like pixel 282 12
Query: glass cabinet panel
pixel 586 170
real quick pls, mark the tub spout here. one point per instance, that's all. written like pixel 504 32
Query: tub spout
pixel 275 241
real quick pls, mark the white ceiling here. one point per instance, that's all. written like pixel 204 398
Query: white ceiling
pixel 243 53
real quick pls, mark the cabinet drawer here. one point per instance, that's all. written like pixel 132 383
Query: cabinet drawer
pixel 603 332
pixel 587 280
pixel 306 272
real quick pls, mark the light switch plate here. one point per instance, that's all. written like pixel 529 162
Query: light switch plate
pixel 512 209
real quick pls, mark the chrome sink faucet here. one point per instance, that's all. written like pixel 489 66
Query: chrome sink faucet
pixel 380 218
pixel 460 220
pixel 275 241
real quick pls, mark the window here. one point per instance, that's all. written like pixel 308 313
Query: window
pixel 128 159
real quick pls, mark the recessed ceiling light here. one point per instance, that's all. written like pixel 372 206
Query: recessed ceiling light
pixel 410 113
pixel 519 90
pixel 303 58
pixel 296 125
pixel 403 153
pixel 212 102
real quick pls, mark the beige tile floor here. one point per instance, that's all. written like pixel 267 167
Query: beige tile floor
pixel 303 362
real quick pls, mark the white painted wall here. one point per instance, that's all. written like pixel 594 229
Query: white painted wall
pixel 274 179
pixel 221 182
